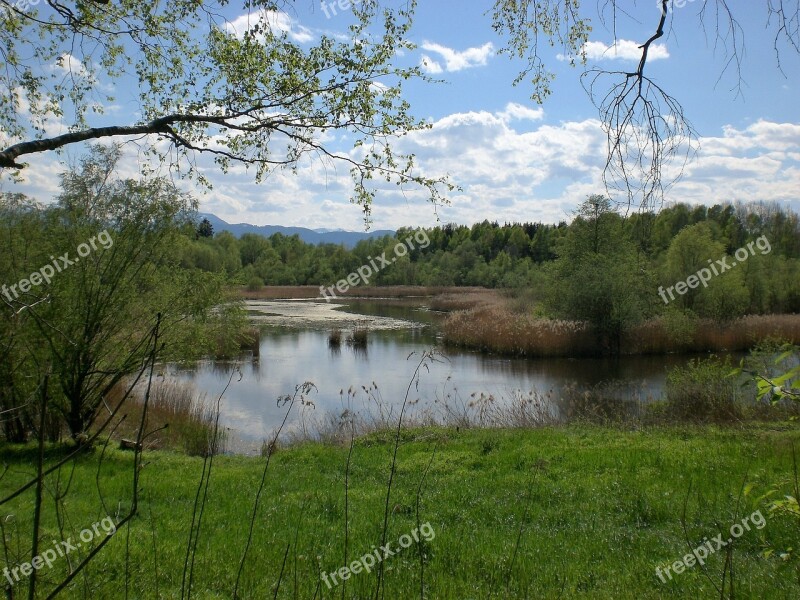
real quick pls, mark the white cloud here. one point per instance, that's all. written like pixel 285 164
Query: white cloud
pixel 621 50
pixel 430 66
pixel 511 164
pixel 66 63
pixel 378 87
pixel 523 113
pixel 759 162
pixel 511 174
pixel 455 60
pixel 278 21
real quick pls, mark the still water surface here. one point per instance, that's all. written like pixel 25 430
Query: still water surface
pixel 294 349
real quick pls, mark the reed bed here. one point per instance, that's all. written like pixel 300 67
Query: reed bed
pixel 466 299
pixel 335 338
pixel 696 395
pixel 495 327
pixel 178 418
pixel 654 337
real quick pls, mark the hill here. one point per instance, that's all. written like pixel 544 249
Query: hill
pixel 348 239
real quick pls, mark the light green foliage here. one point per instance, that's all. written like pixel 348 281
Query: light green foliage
pixel 697 247
pixel 528 25
pixel 702 391
pixel 774 365
pixel 260 97
pixel 87 327
pixel 725 299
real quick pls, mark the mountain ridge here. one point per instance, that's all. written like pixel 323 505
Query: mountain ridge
pixel 347 239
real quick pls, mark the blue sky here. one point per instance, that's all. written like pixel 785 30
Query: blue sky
pixel 517 161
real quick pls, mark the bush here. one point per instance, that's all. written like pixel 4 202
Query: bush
pixel 255 283
pixel 702 391
pixel 358 339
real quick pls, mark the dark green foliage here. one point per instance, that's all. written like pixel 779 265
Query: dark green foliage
pixel 601 255
pixel 205 229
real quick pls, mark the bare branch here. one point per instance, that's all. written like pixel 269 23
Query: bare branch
pixel 646 128
pixel 788 25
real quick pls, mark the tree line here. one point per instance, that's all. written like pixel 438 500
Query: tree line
pixel 600 250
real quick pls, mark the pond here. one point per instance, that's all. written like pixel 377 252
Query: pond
pixel 294 348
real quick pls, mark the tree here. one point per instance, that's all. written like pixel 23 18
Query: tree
pixel 724 296
pixel 251 96
pixel 260 98
pixel 645 125
pixel 205 229
pixel 22 234
pixel 86 323
pixel 596 215
pixel 597 277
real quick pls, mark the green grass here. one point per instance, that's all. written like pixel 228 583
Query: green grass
pixel 595 511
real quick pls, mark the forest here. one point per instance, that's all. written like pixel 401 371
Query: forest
pixel 638 253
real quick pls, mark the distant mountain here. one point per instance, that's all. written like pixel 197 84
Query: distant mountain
pixel 320 236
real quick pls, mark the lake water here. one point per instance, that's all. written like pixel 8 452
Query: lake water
pixel 294 348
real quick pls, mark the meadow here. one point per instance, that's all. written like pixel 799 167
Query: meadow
pixel 576 511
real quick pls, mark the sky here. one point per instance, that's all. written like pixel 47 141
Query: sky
pixel 514 160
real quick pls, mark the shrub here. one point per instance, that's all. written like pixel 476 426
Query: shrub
pixel 255 283
pixel 702 391
pixel 605 403
pixel 358 339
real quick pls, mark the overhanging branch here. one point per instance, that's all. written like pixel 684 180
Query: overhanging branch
pixel 9 155
pixel 160 126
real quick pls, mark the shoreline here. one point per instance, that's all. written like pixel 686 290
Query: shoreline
pixel 507 323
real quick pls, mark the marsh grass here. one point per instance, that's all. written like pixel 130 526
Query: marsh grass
pixel 335 338
pixel 607 403
pixel 699 393
pixel 466 299
pixel 178 418
pixel 704 335
pixel 703 391
pixel 358 338
pixel 497 326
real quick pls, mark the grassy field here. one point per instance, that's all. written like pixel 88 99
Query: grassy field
pixel 571 512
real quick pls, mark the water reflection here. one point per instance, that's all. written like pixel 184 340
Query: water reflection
pixel 290 356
